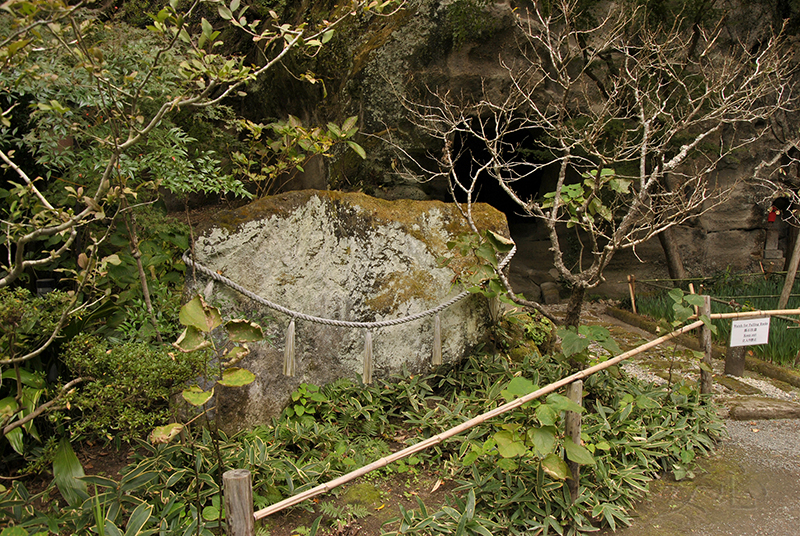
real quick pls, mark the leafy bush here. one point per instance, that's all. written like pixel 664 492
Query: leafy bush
pixel 510 471
pixel 26 322
pixel 131 387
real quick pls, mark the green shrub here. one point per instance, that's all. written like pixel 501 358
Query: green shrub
pixel 130 388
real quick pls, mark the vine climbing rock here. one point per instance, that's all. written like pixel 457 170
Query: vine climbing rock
pixel 326 258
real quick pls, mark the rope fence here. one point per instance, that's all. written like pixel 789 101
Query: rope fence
pixel 289 363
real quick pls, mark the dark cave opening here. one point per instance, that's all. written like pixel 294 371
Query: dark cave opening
pixel 519 148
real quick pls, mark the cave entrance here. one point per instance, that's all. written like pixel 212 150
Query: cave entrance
pixel 532 265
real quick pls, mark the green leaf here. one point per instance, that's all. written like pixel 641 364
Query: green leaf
pixel 572 343
pixel 518 386
pixel 546 415
pixel 67 473
pixel 543 439
pixel 195 396
pixel 236 377
pixel 499 242
pixel 31 379
pixel 164 434
pixel 695 300
pixel 8 407
pixel 199 314
pixel 577 453
pixel 244 331
pixel 191 340
pixel 15 438
pixel 676 295
pixel 555 467
pixel 621 186
pixel 349 123
pixel 211 513
pixel 358 149
pixel 224 12
pixel 562 403
pixel 140 516
pixel 486 251
pixel 14 531
pixel 508 446
pixel 327 36
pixel 236 354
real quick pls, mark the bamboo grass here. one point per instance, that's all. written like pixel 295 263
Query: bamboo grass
pixel 434 440
pixel 480 419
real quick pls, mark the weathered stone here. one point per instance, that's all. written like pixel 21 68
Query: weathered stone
pixel 344 257
pixel 550 294
pixel 754 408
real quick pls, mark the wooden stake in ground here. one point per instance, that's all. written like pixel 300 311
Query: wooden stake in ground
pixel 573 430
pixel 239 502
pixel 706 376
pixel 632 290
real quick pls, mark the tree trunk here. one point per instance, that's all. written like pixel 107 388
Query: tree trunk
pixel 672 254
pixel 574 306
pixel 788 284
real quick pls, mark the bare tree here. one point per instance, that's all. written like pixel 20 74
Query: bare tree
pixel 629 122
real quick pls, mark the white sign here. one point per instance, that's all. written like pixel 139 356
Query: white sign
pixel 750 332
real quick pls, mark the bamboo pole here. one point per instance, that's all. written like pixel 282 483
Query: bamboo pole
pixel 434 440
pixel 755 314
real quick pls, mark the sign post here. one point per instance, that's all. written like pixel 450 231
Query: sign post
pixel 744 333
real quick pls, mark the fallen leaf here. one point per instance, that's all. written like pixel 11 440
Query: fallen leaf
pixel 436 486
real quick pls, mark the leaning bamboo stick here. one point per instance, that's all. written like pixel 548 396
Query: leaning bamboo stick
pixel 434 440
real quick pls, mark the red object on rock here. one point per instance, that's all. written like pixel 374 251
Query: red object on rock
pixel 773 214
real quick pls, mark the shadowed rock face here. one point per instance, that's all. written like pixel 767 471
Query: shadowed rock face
pixel 344 257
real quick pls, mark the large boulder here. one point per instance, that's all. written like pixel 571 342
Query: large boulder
pixel 338 256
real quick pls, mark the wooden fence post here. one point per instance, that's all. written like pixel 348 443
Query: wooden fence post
pixel 573 430
pixel 239 502
pixel 706 377
pixel 632 290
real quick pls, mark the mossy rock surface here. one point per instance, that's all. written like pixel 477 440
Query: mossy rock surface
pixel 342 257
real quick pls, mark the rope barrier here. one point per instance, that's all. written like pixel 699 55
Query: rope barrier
pixel 289 361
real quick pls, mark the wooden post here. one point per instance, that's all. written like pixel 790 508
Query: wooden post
pixel 734 360
pixel 573 430
pixel 239 502
pixel 691 291
pixel 632 290
pixel 706 377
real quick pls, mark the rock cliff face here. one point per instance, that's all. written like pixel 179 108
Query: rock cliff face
pixel 376 62
pixel 337 256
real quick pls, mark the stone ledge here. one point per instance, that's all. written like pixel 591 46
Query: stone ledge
pixel 755 408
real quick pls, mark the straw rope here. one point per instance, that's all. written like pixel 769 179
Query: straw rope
pixel 327 321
